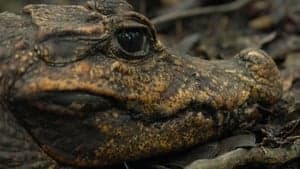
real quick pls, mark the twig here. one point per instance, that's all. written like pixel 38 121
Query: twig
pixel 241 157
pixel 163 19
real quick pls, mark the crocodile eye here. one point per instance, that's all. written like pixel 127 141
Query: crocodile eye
pixel 134 43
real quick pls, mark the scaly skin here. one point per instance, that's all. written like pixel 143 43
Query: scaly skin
pixel 70 96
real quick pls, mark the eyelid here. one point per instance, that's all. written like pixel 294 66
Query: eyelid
pixel 131 24
pixel 133 20
pixel 142 27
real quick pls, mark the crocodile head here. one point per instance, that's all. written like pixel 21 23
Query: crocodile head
pixel 94 86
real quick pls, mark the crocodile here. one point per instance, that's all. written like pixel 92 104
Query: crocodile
pixel 92 86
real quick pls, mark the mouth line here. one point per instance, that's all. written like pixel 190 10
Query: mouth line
pixel 82 103
pixel 76 103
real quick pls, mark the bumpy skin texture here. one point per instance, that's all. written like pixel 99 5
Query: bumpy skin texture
pixel 70 96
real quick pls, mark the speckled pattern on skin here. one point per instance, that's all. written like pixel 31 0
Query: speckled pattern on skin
pixel 70 95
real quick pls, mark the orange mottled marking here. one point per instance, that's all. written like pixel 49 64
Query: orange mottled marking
pixel 83 68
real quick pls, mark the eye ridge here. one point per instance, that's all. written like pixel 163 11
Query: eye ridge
pixel 133 42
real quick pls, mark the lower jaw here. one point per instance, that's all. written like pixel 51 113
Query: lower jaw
pixel 113 136
pixel 122 140
pixel 110 137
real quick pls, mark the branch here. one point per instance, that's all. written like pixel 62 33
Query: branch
pixel 160 20
pixel 242 156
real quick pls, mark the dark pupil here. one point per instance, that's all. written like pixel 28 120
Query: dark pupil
pixel 131 40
